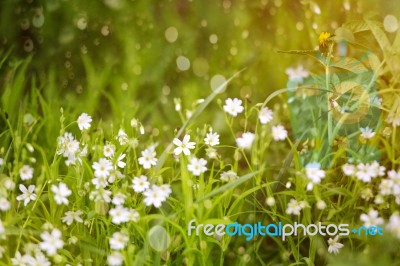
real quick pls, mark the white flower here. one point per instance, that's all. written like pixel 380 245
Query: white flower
pixel 154 196
pixel 166 190
pixel 228 176
pixel 294 207
pixel 270 201
pixel 119 214
pixel 51 242
pixel 297 74
pixel 20 260
pixel 140 184
pixel 4 204
pixel 27 194
pixel 115 259
pixel 314 172
pixel 394 224
pixel 211 153
pixel 120 163
pixel 71 216
pixel 100 182
pixel 183 146
pixel 133 215
pixel 148 158
pixel 279 132
pixel 334 245
pixel 102 168
pixel 122 137
pixel 365 172
pixel 246 140
pixel 348 169
pixel 321 204
pixel 40 259
pixel 394 177
pixel 84 121
pixel 100 195
pixel 197 166
pixel 26 172
pixel 61 193
pixel 118 241
pixel 367 133
pixel 119 199
pixel 233 106
pixel 371 219
pixel 212 138
pixel 265 115
pixel 393 118
pixel 109 150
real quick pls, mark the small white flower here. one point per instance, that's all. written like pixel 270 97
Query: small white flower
pixel 71 216
pixel 314 172
pixel 133 215
pixel 100 182
pixel 109 150
pixel 371 219
pixel 26 172
pixel 4 204
pixel 348 169
pixel 100 195
pixel 394 224
pixel 27 194
pixel 294 207
pixel 51 242
pixel 84 121
pixel 120 163
pixel 229 176
pixel 321 204
pixel 233 106
pixel 367 133
pixel 165 190
pixel 119 199
pixel 334 245
pixel 119 214
pixel 211 153
pixel 365 172
pixel 115 259
pixel 197 166
pixel 297 74
pixel 102 168
pixel 122 137
pixel 183 146
pixel 265 115
pixel 212 138
pixel 270 201
pixel 148 158
pixel 61 193
pixel 279 132
pixel 140 184
pixel 154 196
pixel 246 140
pixel 118 241
pixel 20 260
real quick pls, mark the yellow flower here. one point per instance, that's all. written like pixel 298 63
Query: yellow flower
pixel 323 38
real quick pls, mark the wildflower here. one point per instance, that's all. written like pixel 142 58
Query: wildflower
pixel 365 172
pixel 4 204
pixel 294 207
pixel 100 195
pixel 197 166
pixel 109 150
pixel 26 172
pixel 84 121
pixel 154 196
pixel 323 39
pixel 166 190
pixel 51 242
pixel 71 216
pixel 140 184
pixel 119 199
pixel 148 158
pixel 133 215
pixel 211 153
pixel 61 193
pixel 119 214
pixel 120 163
pixel 394 118
pixel 321 204
pixel 314 172
pixel 270 201
pixel 122 137
pixel 394 224
pixel 212 138
pixel 348 169
pixel 279 132
pixel 367 133
pixel 27 194
pixel 183 146
pixel 233 106
pixel 21 260
pixel 228 176
pixel 40 259
pixel 102 168
pixel 115 259
pixel 297 74
pixel 100 182
pixel 371 219
pixel 118 241
pixel 395 178
pixel 334 245
pixel 378 170
pixel 246 140
pixel 265 115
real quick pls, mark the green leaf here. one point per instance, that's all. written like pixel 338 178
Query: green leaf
pixel 380 36
pixel 356 26
pixel 349 64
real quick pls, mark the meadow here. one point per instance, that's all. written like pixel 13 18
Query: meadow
pixel 199 132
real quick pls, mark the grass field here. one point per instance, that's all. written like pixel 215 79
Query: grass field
pixel 199 132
